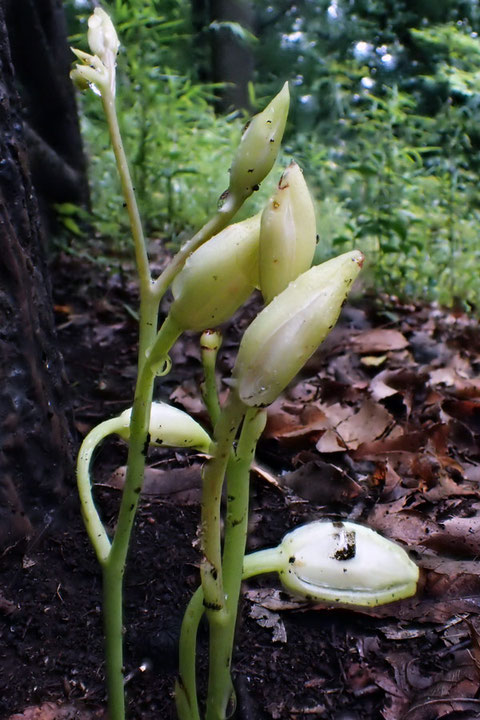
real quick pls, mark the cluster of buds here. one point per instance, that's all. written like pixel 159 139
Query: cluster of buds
pixel 98 69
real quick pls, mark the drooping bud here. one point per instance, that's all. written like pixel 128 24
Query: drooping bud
pixel 102 37
pixel 259 146
pixel 217 278
pixel 346 563
pixel 287 234
pixel 284 335
pixel 168 426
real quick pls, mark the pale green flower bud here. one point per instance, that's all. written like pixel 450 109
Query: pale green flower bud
pixel 92 73
pixel 345 562
pixel 339 562
pixel 284 335
pixel 168 426
pixel 102 37
pixel 287 233
pixel 217 278
pixel 259 146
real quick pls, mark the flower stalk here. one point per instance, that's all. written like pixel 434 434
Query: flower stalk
pixel 212 275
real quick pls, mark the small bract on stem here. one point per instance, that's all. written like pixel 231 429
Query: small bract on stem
pixel 212 275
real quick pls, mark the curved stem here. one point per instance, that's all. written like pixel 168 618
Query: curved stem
pixel 91 517
pixel 186 685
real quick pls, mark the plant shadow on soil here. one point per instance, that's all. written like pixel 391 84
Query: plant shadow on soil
pixel 290 661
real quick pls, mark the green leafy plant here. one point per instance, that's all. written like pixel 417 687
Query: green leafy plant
pixel 211 276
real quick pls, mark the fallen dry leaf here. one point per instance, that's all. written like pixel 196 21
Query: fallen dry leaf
pixel 321 483
pixel 58 711
pixel 378 340
pixel 182 484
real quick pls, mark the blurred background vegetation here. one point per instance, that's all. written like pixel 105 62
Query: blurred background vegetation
pixel 384 122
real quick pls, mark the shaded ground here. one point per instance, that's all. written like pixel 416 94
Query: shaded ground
pixel 382 428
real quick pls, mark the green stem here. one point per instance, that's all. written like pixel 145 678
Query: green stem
pixel 210 343
pixel 114 564
pixel 213 477
pixel 113 632
pixel 91 517
pixel 257 563
pixel 236 526
pixel 263 561
pixel 186 685
pixel 108 101
pixel 114 567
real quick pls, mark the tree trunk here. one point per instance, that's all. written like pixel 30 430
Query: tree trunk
pixel 232 60
pixel 42 60
pixel 35 449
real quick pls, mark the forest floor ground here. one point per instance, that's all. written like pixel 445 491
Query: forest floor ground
pixel 382 428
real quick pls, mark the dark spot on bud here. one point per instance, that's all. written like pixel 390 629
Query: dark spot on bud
pixel 269 122
pixel 272 140
pixel 131 507
pixel 138 490
pixel 346 545
pixel 359 260
pixel 250 170
pixel 146 444
pixel 212 606
pixel 214 573
pixel 222 198
pixel 291 559
pixel 255 187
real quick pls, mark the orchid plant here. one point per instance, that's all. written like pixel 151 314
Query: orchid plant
pixel 211 276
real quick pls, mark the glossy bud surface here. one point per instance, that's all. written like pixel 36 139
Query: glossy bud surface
pixel 284 335
pixel 102 37
pixel 287 233
pixel 259 146
pixel 346 563
pixel 217 278
pixel 169 426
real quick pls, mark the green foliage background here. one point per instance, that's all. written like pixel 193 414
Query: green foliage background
pixel 384 122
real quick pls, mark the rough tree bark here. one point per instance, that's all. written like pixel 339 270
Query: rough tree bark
pixel 35 440
pixel 42 60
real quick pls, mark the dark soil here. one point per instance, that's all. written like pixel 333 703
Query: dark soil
pixel 415 659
